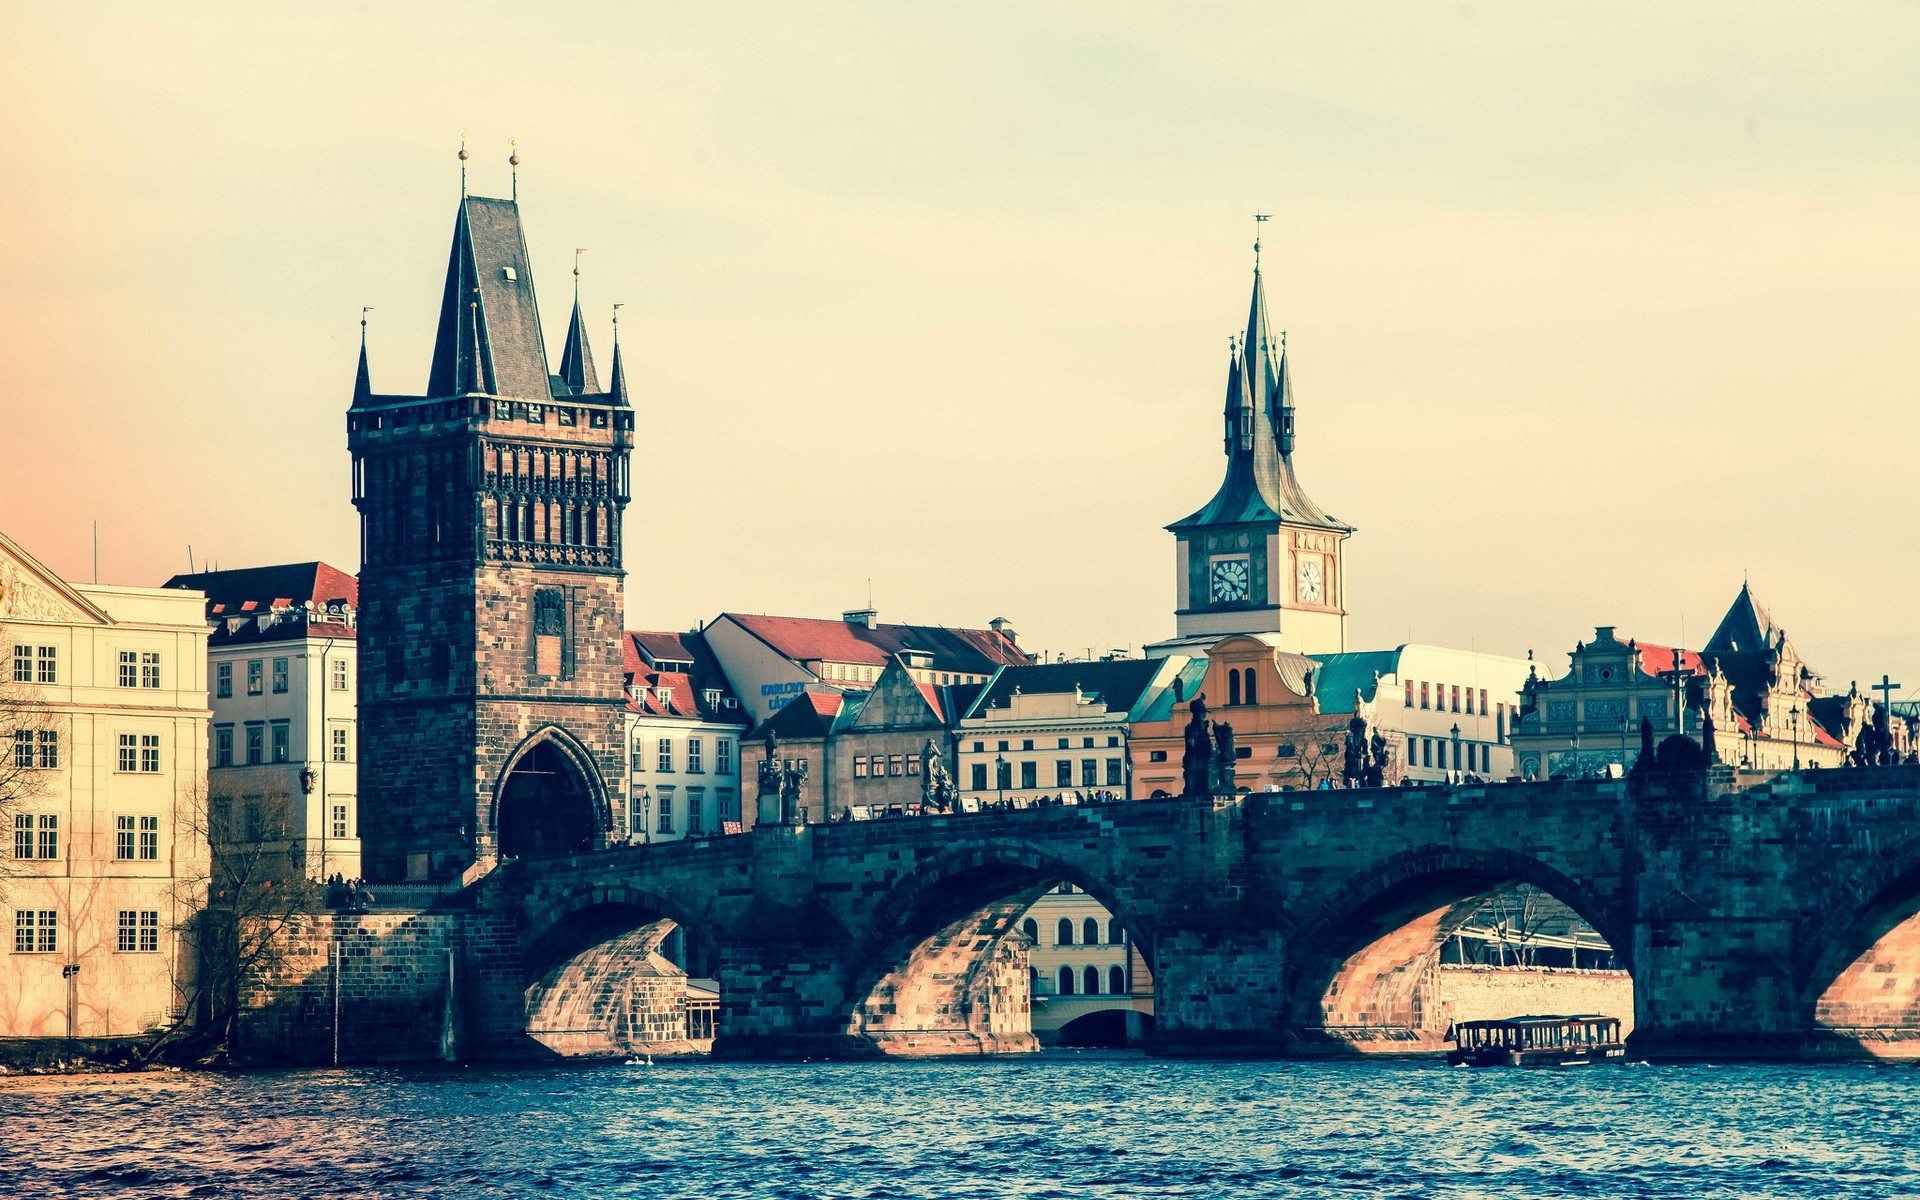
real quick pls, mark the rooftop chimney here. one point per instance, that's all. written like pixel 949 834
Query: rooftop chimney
pixel 866 618
pixel 1001 626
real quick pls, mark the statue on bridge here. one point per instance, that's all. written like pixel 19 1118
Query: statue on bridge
pixel 1365 764
pixel 936 786
pixel 783 784
pixel 793 792
pixel 1196 762
pixel 1224 760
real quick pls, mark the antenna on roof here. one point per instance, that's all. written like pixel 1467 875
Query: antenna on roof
pixel 190 569
pixel 463 164
pixel 513 165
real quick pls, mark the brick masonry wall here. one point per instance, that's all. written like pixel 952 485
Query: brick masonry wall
pixel 1495 993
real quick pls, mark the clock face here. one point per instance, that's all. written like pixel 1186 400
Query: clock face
pixel 1229 579
pixel 1313 588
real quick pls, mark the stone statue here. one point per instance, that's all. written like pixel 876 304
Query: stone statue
pixel 793 792
pixel 936 786
pixel 1224 758
pixel 1196 762
pixel 772 783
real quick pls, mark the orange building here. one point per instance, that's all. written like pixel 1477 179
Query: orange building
pixel 1281 738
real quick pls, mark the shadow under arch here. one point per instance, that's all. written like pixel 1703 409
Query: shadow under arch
pixel 598 982
pixel 1364 972
pixel 549 799
pixel 1858 992
pixel 933 971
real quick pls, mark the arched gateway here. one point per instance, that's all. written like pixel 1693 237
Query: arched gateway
pixel 549 800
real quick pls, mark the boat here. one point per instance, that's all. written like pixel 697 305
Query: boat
pixel 1538 1041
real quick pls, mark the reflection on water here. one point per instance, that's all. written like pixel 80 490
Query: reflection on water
pixel 1062 1127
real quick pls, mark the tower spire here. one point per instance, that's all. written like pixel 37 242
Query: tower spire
pixel 362 380
pixel 618 388
pixel 576 359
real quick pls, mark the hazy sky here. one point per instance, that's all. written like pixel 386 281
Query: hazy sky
pixel 1593 308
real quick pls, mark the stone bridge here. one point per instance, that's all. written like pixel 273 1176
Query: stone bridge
pixel 1759 915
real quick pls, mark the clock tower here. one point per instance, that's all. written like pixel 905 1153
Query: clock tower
pixel 1260 558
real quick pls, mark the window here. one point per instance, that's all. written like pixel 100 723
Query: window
pixel 1063 744
pixel 47 741
pixel 256 743
pixel 860 766
pixel 256 819
pixel 1253 693
pixel 1456 698
pixel 894 765
pixel 1116 773
pixel 727 800
pixel 977 777
pixel 637 755
pixel 48 670
pixel 1413 751
pixel 279 676
pixel 150 754
pixel 1156 756
pixel 282 740
pixel 23 664
pixel 337 737
pixel 1469 701
pixel 339 828
pixel 1092 977
pixel 1027 744
pixel 1031 929
pixel 337 675
pixel 129 669
pixel 1086 743
pixel 1003 774
pixel 1426 752
pixel 1423 696
pixel 1089 772
pixel 1029 774
pixel 694 764
pixel 36 931
pixel 36 835
pixel 1117 981
pixel 139 931
pixel 1113 740
pixel 1409 693
pixel 663 757
pixel 149 668
pixel 1063 772
pixel 549 630
pixel 1500 723
pixel 223 681
pixel 1233 687
pixel 723 756
pixel 1483 702
pixel 129 753
pixel 1116 936
pixel 666 811
pixel 1090 932
pixel 123 838
pixel 256 676
pixel 1063 933
pixel 1002 746
pixel 22 749
pixel 1066 981
pixel 980 747
pixel 913 765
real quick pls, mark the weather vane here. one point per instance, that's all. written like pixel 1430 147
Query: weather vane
pixel 1259 219
pixel 513 164
pixel 463 164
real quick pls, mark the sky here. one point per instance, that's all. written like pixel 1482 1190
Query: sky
pixel 1594 311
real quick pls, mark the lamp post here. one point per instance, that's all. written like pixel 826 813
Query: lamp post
pixel 1456 748
pixel 1000 780
pixel 1794 714
pixel 1623 740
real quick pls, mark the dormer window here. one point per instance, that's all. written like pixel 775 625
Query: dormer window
pixel 712 697
pixel 664 695
pixel 509 274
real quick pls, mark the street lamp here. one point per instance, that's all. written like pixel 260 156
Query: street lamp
pixel 1794 714
pixel 1000 780
pixel 1456 748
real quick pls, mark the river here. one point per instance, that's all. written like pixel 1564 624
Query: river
pixel 1053 1126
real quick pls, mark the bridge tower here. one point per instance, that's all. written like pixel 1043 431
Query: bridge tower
pixel 491 586
pixel 1261 557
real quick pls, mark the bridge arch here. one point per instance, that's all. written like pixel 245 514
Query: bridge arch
pixel 598 980
pixel 1365 962
pixel 1858 992
pixel 934 970
pixel 549 799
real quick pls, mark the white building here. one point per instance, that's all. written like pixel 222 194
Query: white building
pixel 282 673
pixel 1446 713
pixel 684 726
pixel 104 698
pixel 1057 728
pixel 1084 966
pixel 771 660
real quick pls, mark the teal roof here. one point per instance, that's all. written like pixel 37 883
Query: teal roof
pixel 1161 707
pixel 1340 675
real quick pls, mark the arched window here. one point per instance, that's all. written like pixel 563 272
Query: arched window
pixel 1233 687
pixel 1115 935
pixel 1251 698
pixel 1117 981
pixel 1064 935
pixel 1093 981
pixel 1031 928
pixel 1066 981
pixel 1033 981
pixel 1090 932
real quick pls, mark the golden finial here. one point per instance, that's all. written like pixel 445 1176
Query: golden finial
pixel 463 164
pixel 513 163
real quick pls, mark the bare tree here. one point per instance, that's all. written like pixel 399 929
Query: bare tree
pixel 245 899
pixel 1517 916
pixel 1319 757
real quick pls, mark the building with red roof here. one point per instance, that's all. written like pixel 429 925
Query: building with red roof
pixel 684 726
pixel 282 675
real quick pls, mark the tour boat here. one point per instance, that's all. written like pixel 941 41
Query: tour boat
pixel 1544 1041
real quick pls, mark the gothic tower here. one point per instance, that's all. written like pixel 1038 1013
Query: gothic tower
pixel 1261 557
pixel 491 587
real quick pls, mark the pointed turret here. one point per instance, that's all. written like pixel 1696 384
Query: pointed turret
pixel 1239 408
pixel 618 388
pixel 362 381
pixel 1746 628
pixel 489 339
pixel 576 360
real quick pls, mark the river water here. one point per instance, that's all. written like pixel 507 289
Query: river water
pixel 1041 1127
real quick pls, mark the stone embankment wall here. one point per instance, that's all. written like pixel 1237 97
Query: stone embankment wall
pixel 393 975
pixel 1469 993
